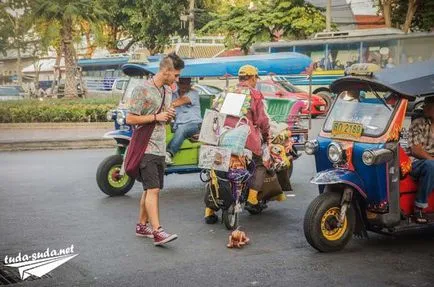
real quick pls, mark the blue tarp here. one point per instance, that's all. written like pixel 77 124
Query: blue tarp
pixel 278 64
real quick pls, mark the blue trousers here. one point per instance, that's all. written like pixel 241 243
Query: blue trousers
pixel 423 171
pixel 182 132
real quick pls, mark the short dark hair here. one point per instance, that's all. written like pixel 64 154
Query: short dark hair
pixel 172 61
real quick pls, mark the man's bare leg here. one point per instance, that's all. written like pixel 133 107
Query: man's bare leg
pixel 152 209
pixel 143 215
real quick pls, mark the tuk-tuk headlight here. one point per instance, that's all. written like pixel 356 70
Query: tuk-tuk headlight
pixel 368 157
pixel 335 153
pixel 120 118
pixel 378 156
pixel 311 147
pixel 109 115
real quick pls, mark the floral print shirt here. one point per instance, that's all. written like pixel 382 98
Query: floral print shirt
pixel 146 99
pixel 420 133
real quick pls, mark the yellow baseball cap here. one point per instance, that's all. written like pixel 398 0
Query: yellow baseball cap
pixel 248 70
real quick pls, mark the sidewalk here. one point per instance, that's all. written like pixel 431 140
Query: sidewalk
pixel 43 136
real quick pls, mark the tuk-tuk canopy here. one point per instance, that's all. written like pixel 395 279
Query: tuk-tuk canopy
pixel 409 80
pixel 275 64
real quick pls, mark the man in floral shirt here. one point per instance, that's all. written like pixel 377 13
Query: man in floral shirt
pixel 421 137
pixel 144 104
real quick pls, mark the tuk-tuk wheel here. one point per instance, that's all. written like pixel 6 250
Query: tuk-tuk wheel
pixel 230 218
pixel 108 178
pixel 321 223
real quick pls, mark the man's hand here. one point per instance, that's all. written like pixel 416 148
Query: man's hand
pixel 418 152
pixel 166 116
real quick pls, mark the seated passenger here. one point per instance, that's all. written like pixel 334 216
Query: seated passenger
pixel 421 142
pixel 188 117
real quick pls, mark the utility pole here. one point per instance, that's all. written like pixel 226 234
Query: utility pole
pixel 191 28
pixel 329 15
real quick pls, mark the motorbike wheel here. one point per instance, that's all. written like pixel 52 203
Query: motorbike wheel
pixel 320 223
pixel 108 178
pixel 230 218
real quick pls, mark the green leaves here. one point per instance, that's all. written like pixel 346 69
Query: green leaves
pixel 56 110
pixel 267 21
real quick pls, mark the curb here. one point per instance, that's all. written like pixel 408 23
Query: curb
pixel 57 145
pixel 92 125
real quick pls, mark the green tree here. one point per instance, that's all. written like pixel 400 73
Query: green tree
pixel 110 31
pixel 408 15
pixel 413 15
pixel 68 15
pixel 14 27
pixel 154 21
pixel 267 21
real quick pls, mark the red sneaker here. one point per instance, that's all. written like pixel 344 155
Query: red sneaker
pixel 161 237
pixel 144 230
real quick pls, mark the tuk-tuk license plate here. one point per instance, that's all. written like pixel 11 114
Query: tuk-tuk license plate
pixel 347 130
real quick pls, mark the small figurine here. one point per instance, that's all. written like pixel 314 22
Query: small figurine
pixel 237 239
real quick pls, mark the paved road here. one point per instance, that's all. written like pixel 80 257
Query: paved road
pixel 49 199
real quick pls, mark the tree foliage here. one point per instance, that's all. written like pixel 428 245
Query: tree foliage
pixel 68 15
pixel 414 15
pixel 154 21
pixel 266 21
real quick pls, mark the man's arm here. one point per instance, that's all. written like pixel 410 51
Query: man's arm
pixel 260 119
pixel 418 152
pixel 184 100
pixel 133 119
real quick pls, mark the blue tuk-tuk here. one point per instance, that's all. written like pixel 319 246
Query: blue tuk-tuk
pixel 111 177
pixel 363 171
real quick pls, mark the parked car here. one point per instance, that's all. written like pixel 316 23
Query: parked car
pixel 8 93
pixel 283 89
pixel 119 87
pixel 207 89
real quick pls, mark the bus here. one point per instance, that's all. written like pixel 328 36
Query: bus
pixel 333 52
pixel 99 74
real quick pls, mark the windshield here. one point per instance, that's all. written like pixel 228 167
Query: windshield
pixel 290 87
pixel 363 107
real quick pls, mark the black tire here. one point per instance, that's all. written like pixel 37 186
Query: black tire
pixel 254 211
pixel 102 174
pixel 313 232
pixel 230 218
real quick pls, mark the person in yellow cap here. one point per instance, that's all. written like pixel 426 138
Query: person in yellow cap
pixel 259 133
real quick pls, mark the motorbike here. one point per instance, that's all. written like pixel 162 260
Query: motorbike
pixel 363 169
pixel 229 190
pixel 110 175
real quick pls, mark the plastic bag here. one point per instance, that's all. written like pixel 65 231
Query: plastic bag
pixel 235 139
pixel 266 157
